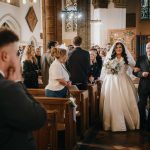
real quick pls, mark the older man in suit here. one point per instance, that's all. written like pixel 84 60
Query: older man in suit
pixel 143 66
pixel 20 114
pixel 79 65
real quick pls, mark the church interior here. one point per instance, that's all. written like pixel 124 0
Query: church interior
pixel 100 23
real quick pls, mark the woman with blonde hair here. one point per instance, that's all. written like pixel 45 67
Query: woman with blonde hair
pixel 30 68
pixel 95 65
pixel 58 75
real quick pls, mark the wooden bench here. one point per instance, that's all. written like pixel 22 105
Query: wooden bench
pixel 37 92
pixel 65 121
pixel 93 103
pixel 46 137
pixel 99 85
pixel 82 101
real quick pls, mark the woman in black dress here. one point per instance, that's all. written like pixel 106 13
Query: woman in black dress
pixel 30 68
pixel 96 65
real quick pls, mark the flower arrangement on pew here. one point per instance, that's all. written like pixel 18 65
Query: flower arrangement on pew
pixel 72 102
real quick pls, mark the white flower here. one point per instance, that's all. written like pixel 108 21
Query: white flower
pixel 72 102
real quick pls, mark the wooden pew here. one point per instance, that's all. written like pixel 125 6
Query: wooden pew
pixel 46 137
pixel 99 84
pixel 65 120
pixel 93 103
pixel 37 92
pixel 82 101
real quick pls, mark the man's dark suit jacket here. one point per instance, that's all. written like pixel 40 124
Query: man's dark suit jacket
pixel 144 64
pixel 79 65
pixel 20 114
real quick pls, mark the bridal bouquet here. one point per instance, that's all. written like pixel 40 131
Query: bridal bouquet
pixel 112 66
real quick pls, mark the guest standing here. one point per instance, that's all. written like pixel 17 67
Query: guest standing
pixel 78 65
pixel 30 68
pixel 95 66
pixel 46 61
pixel 143 63
pixel 38 57
pixel 58 75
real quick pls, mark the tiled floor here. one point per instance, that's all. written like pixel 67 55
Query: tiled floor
pixel 131 140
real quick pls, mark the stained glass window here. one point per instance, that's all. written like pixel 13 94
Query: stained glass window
pixel 145 9
pixel 70 24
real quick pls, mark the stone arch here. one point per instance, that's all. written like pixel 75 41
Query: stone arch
pixel 11 22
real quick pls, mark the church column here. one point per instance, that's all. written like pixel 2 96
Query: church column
pixel 52 25
pixel 83 27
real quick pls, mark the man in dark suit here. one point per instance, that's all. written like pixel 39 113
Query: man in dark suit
pixel 143 64
pixel 20 114
pixel 79 65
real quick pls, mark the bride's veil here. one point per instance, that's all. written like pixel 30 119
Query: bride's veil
pixel 130 58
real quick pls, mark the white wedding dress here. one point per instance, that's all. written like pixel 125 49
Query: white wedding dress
pixel 118 103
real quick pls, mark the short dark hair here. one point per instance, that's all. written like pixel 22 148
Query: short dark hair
pixel 77 41
pixel 51 44
pixel 7 36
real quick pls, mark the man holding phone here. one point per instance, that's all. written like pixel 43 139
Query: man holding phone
pixel 19 112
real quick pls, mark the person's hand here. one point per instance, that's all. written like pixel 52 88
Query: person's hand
pixel 69 84
pixel 145 74
pixel 14 74
pixel 91 79
pixel 136 69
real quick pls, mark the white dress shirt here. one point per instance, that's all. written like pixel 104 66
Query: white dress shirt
pixel 57 71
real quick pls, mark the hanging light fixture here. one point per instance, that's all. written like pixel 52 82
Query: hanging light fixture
pixel 24 1
pixel 8 1
pixel 31 1
pixel 71 12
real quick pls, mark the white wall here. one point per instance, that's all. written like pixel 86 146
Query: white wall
pixel 111 18
pixel 19 14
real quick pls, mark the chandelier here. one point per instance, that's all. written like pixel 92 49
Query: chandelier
pixel 71 13
pixel 31 1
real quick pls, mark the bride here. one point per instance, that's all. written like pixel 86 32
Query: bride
pixel 118 105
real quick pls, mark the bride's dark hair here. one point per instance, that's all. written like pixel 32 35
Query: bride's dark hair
pixel 124 55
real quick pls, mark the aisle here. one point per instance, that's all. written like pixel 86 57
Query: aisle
pixel 100 140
